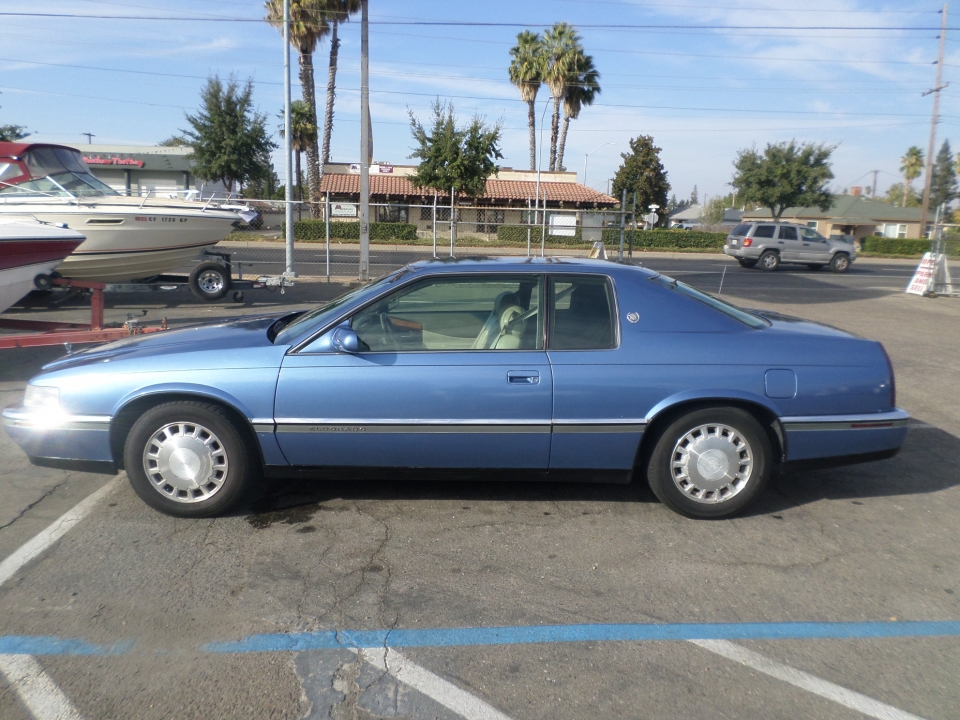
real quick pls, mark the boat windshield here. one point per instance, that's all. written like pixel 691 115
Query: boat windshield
pixel 63 184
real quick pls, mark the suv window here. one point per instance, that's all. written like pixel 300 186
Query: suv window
pixel 788 233
pixel 581 316
pixel 742 229
pixel 764 231
pixel 812 236
pixel 455 313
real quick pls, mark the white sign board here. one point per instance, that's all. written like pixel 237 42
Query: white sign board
pixel 923 278
pixel 563 225
pixel 651 218
pixel 341 209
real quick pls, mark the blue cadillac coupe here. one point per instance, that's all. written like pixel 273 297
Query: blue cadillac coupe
pixel 562 368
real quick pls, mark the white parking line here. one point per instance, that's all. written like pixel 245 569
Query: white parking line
pixel 419 678
pixel 805 681
pixel 37 691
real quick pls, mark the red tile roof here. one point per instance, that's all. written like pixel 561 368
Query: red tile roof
pixel 400 186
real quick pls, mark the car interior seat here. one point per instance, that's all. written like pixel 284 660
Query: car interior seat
pixel 586 324
pixel 496 333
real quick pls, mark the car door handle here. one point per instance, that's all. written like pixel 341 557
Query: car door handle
pixel 523 377
pixel 781 242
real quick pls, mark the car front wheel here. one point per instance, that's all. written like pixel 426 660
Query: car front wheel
pixel 188 459
pixel 840 262
pixel 770 260
pixel 710 463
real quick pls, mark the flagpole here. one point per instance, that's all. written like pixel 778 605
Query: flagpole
pixel 364 144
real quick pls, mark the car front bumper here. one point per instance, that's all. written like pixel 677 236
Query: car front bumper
pixel 51 437
pixel 840 437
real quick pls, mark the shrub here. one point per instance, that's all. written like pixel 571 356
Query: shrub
pixel 686 239
pixel 315 231
pixel 895 246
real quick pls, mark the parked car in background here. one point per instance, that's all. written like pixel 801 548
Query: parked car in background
pixel 768 244
pixel 553 367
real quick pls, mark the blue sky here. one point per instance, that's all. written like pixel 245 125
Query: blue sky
pixel 703 93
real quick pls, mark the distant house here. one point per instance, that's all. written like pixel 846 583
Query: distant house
pixel 686 217
pixel 852 215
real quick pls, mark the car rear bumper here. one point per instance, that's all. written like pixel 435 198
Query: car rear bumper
pixel 740 252
pixel 57 439
pixel 842 438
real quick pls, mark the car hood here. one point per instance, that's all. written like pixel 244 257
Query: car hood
pixel 247 332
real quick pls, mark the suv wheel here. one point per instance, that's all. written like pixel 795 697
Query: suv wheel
pixel 840 262
pixel 770 260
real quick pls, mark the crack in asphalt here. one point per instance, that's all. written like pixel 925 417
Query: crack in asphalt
pixel 36 502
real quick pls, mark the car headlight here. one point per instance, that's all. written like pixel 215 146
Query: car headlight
pixel 41 397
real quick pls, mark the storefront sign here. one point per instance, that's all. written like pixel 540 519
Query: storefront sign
pixel 112 161
pixel 340 209
pixel 354 167
pixel 563 225
pixel 384 168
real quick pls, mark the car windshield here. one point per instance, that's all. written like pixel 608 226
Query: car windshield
pixel 321 315
pixel 726 308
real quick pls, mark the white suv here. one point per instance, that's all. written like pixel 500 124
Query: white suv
pixel 768 244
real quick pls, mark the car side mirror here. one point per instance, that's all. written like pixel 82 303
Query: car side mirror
pixel 346 340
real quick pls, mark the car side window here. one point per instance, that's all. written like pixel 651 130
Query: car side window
pixel 764 231
pixel 812 236
pixel 581 313
pixel 788 233
pixel 455 314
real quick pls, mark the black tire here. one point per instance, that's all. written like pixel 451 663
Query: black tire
pixel 840 263
pixel 815 266
pixel 770 260
pixel 747 263
pixel 666 479
pixel 238 296
pixel 210 281
pixel 43 283
pixel 229 480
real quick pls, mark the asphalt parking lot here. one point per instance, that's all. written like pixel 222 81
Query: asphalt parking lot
pixel 837 595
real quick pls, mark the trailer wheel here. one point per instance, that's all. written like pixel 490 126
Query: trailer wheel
pixel 209 281
pixel 238 296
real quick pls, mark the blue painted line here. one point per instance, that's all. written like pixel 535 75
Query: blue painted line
pixel 47 645
pixel 522 635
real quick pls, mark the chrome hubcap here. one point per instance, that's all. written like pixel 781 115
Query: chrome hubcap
pixel 185 462
pixel 770 261
pixel 210 281
pixel 711 463
pixel 841 263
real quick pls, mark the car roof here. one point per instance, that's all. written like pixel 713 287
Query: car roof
pixel 480 264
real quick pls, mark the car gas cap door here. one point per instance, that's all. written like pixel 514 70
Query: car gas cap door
pixel 781 384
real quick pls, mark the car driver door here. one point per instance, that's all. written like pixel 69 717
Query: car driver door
pixel 448 372
pixel 814 246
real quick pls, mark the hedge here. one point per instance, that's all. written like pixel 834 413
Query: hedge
pixel 906 246
pixel 315 230
pixel 661 239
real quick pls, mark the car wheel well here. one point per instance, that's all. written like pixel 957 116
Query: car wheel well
pixel 124 420
pixel 767 419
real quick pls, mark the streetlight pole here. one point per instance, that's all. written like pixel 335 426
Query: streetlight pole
pixel 287 142
pixel 364 273
pixel 588 155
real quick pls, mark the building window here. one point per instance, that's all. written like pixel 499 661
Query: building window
pixel 443 213
pixel 392 213
pixel 488 220
pixel 892 230
pixel 426 212
pixel 812 224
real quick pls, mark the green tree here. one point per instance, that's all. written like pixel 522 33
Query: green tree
pixel 266 185
pixel 174 141
pixel 228 136
pixel 303 132
pixel 943 182
pixel 902 195
pixel 526 72
pixel 335 12
pixel 580 93
pixel 713 211
pixel 309 22
pixel 452 157
pixel 562 52
pixel 12 133
pixel 643 173
pixel 784 175
pixel 694 197
pixel 911 165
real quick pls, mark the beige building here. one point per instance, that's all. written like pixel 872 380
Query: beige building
pixel 508 198
pixel 148 170
pixel 852 215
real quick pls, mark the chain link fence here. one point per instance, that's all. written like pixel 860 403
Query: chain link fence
pixel 404 233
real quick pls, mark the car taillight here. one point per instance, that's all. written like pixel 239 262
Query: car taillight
pixel 747 242
pixel 893 381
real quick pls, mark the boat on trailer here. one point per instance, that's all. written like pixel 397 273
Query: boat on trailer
pixel 29 252
pixel 128 238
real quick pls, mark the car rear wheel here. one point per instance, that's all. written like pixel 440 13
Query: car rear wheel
pixel 815 266
pixel 187 459
pixel 770 260
pixel 840 262
pixel 747 263
pixel 710 463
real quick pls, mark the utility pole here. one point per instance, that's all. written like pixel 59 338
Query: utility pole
pixel 90 137
pixel 364 144
pixel 933 122
pixel 287 142
pixel 873 193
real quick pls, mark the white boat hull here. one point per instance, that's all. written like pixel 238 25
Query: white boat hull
pixel 128 242
pixel 17 282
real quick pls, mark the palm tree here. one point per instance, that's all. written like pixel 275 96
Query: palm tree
pixel 562 50
pixel 526 72
pixel 911 167
pixel 578 95
pixel 303 134
pixel 308 24
pixel 335 12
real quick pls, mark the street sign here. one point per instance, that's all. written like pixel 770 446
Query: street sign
pixel 651 218
pixel 922 281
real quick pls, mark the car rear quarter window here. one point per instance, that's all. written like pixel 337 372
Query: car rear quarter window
pixel 581 313
pixel 788 233
pixel 742 229
pixel 764 231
